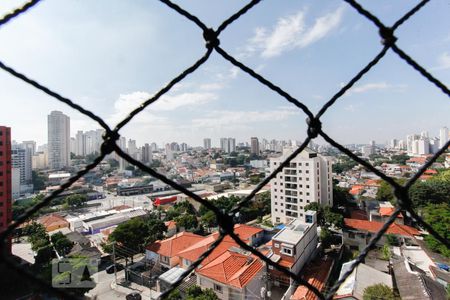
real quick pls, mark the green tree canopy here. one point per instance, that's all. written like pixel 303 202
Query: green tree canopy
pixel 138 232
pixel 75 201
pixel 438 216
pixel 196 293
pixel 61 243
pixel 377 292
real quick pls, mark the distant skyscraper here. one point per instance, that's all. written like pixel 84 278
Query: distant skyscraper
pixel 443 136
pixel 183 147
pixel 58 140
pixel 132 149
pixel 254 145
pixel 207 143
pixel 231 145
pixel 5 179
pixel 30 146
pixel 146 154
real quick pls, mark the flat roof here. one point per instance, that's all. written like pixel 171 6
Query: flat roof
pixel 292 233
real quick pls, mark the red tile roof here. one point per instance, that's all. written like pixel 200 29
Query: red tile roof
pixel 316 273
pixel 372 226
pixel 174 245
pixel 53 221
pixel 387 211
pixel 358 214
pixel 232 268
pixel 170 224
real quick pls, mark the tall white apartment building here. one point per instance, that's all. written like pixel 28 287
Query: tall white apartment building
pixel 58 140
pixel 308 179
pixel 207 143
pixel 443 136
pixel 228 145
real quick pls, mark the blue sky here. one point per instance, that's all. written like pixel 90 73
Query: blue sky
pixel 110 55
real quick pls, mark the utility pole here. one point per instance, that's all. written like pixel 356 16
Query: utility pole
pixel 114 262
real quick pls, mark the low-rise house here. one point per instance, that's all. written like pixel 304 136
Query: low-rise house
pixel 413 284
pixel 53 222
pixel 362 277
pixel 357 233
pixel 165 252
pixel 385 210
pixel 293 247
pixel 235 274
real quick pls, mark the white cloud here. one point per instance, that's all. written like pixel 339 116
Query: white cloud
pixel 128 102
pixel 212 86
pixel 236 119
pixel 375 86
pixel 292 32
pixel 443 62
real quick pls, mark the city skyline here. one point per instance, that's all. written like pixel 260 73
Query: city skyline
pixel 288 45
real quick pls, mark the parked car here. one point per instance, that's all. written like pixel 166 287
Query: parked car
pixel 110 269
pixel 134 296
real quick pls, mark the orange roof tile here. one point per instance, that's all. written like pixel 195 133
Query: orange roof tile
pixel 316 273
pixel 372 226
pixel 232 268
pixel 52 221
pixel 172 246
pixel 387 211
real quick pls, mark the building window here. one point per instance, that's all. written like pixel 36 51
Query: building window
pixel 276 203
pixel 275 197
pixel 307 171
pixel 351 235
pixel 218 288
pixel 276 245
pixel 277 219
pixel 307 164
pixel 276 209
pixel 270 267
pixel 287 251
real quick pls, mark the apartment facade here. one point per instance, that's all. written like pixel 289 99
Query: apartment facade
pixel 5 178
pixel 306 180
pixel 58 140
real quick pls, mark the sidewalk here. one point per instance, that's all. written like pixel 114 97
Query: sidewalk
pixel 145 292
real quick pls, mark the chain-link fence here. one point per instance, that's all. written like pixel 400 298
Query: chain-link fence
pixel 225 221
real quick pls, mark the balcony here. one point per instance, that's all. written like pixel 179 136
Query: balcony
pixel 291 200
pixel 291 186
pixel 291 207
pixel 291 214
pixel 290 193
pixel 290 179
pixel 290 172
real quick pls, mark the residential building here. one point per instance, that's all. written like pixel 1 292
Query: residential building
pixel 58 140
pixel 293 247
pixel 207 143
pixel 5 179
pixel 443 136
pixel 30 146
pixel 146 154
pixel 39 161
pixel 254 145
pixel 357 233
pixel 228 145
pixel 21 162
pixel 362 277
pixel 306 180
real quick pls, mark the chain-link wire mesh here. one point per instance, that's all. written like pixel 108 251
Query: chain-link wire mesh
pixel 314 130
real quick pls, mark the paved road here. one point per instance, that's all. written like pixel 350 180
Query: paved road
pixel 112 200
pixel 103 288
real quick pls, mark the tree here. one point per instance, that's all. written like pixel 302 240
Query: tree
pixel 325 237
pixel 386 252
pixel 38 181
pixel 326 217
pixel 75 201
pixel 341 196
pixel 137 233
pixel 378 291
pixel 91 157
pixel 433 191
pixel 61 243
pixel 209 219
pixel 197 293
pixel 399 159
pixel 438 216
pixel 186 221
pixel 386 192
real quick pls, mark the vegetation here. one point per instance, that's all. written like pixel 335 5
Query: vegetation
pixel 341 196
pixel 344 165
pixel 378 291
pixel 326 217
pixel 38 181
pixel 75 201
pixel 193 293
pixel 386 252
pixel 386 192
pixel 136 233
pixel 438 216
pixel 61 243
pixel 40 243
pixel 399 159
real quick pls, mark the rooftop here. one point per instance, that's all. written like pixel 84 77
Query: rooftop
pixel 292 233
pixel 372 226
